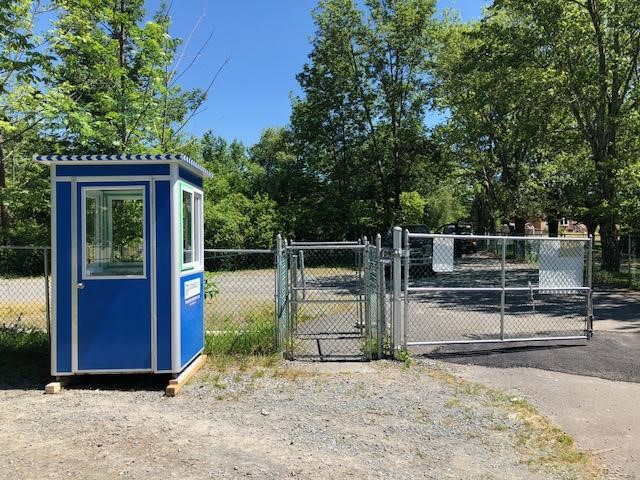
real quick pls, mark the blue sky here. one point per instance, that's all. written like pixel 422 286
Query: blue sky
pixel 267 43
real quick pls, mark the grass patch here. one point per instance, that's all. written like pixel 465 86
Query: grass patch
pixel 543 445
pixel 622 279
pixel 242 363
pixel 23 315
pixel 254 336
pixel 24 358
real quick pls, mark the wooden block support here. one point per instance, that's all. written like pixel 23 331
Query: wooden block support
pixel 53 387
pixel 176 384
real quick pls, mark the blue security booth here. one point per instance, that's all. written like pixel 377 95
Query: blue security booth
pixel 127 263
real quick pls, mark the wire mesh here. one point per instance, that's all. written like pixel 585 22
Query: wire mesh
pixel 453 316
pixel 499 289
pixel 239 301
pixel 628 275
pixel 330 302
pixel 24 295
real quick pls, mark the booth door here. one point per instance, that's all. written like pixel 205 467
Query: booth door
pixel 113 272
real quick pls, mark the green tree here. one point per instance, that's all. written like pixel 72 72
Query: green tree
pixel 20 63
pixel 358 130
pixel 412 207
pixel 501 116
pixel 115 77
pixel 238 214
pixel 594 48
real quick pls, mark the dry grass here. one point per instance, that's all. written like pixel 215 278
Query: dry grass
pixel 544 446
pixel 26 314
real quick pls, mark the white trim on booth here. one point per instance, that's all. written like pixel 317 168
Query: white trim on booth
pixel 152 272
pixel 175 269
pixel 74 276
pixel 83 215
pixel 53 326
pixel 74 261
pixel 114 371
pixel 121 178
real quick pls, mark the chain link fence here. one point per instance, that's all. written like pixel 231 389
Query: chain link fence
pixel 496 289
pixel 24 301
pixel 331 301
pixel 239 301
pixel 337 300
pixel 629 274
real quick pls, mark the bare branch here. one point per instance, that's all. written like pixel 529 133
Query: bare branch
pixel 186 44
pixel 202 47
pixel 201 100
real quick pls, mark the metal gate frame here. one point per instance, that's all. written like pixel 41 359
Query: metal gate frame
pixel 292 291
pixel 402 290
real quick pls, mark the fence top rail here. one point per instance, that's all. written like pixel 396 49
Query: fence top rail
pixel 328 247
pixel 238 250
pixel 497 289
pixel 324 243
pixel 24 247
pixel 498 237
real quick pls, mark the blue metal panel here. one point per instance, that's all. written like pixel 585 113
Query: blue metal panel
pixel 114 315
pixel 163 274
pixel 63 277
pixel 191 320
pixel 190 177
pixel 114 325
pixel 111 170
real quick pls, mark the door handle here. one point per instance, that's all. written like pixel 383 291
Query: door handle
pixel 80 286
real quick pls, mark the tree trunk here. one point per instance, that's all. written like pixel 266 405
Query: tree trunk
pixel 610 247
pixel 4 210
pixel 520 224
pixel 603 158
pixel 519 247
pixel 553 223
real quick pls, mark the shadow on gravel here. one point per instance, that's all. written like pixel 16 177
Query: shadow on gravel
pixel 124 383
pixel 24 360
pixel 609 355
pixel 24 365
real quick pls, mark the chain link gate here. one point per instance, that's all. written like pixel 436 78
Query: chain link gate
pixel 488 289
pixel 328 302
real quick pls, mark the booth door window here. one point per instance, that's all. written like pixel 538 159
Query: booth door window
pixel 114 233
pixel 191 220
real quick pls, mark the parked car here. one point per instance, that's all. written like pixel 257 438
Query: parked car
pixel 420 249
pixel 460 246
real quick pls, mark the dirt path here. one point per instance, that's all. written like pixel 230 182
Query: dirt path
pixel 289 420
pixel 602 415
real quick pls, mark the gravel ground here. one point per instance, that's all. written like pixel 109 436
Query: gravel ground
pixel 300 420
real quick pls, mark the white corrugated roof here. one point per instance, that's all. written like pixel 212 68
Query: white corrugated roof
pixel 128 158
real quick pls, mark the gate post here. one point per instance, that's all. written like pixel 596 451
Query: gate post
pixel 590 292
pixel 406 254
pixel 380 321
pixel 397 280
pixel 365 285
pixel 294 292
pixel 278 300
pixel 503 284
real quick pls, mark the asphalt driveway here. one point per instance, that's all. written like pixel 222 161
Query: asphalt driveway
pixel 613 353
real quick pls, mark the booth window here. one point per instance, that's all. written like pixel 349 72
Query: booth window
pixel 114 232
pixel 191 228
